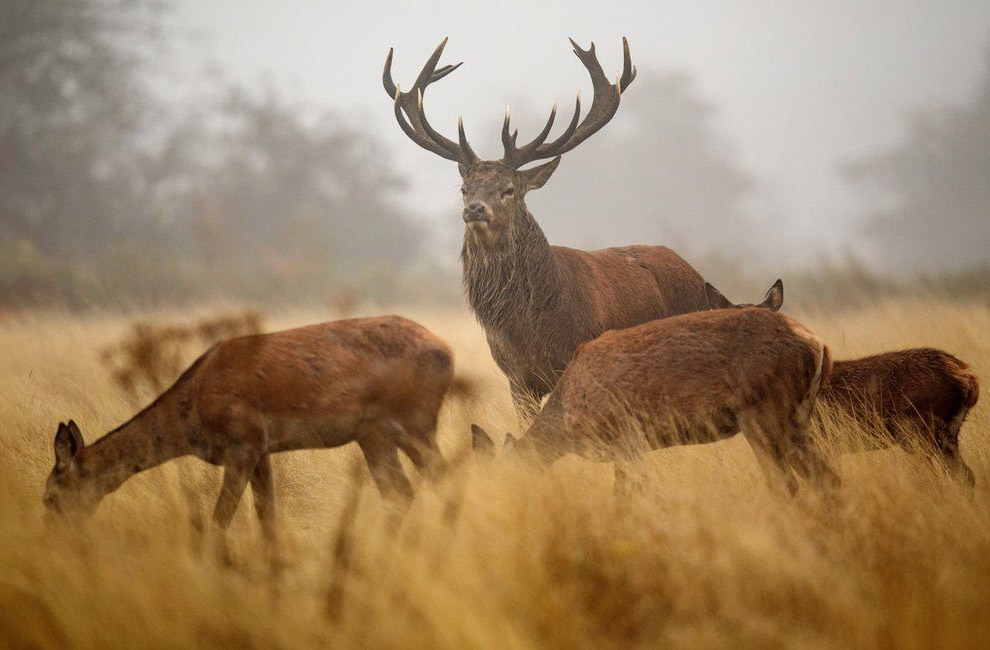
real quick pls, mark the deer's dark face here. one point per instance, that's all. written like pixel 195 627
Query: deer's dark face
pixel 66 491
pixel 494 195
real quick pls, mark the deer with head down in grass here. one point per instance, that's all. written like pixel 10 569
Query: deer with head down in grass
pixel 536 302
pixel 919 396
pixel 378 382
pixel 689 379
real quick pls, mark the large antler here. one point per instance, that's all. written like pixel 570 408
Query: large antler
pixel 418 128
pixel 603 107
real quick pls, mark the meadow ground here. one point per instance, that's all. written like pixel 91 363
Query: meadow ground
pixel 703 555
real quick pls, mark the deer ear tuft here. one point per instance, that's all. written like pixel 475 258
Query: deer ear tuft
pixel 481 442
pixel 715 298
pixel 774 299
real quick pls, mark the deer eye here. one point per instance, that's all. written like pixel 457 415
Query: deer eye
pixel 463 190
pixel 511 191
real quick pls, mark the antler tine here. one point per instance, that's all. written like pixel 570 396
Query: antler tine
pixel 463 142
pixel 513 154
pixel 426 74
pixel 418 127
pixel 390 86
pixel 446 70
pixel 508 141
pixel 604 104
pixel 569 131
pixel 419 138
pixel 628 69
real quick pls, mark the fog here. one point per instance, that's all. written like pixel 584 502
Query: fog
pixel 162 151
pixel 797 89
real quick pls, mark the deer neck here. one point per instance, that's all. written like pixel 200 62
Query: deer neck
pixel 512 281
pixel 153 436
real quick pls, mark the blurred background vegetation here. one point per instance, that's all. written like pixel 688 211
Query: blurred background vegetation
pixel 110 195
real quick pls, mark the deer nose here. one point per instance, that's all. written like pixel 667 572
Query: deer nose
pixel 475 211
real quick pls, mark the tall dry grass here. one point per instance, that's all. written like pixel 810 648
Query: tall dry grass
pixel 703 555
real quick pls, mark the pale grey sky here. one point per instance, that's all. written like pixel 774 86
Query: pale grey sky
pixel 801 85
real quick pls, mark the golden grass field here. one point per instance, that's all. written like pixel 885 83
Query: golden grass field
pixel 703 555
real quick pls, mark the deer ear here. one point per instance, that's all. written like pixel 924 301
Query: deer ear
pixel 510 443
pixel 775 296
pixel 68 444
pixel 535 177
pixel 481 442
pixel 715 298
pixel 463 169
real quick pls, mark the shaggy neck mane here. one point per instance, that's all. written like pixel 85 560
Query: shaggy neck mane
pixel 513 279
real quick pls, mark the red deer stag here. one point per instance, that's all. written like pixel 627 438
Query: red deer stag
pixel 537 302
pixel 919 395
pixel 689 379
pixel 377 381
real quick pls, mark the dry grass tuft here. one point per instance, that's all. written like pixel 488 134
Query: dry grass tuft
pixel 151 355
pixel 494 555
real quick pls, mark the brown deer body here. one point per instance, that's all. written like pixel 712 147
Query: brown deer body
pixel 537 302
pixel 694 378
pixel 920 395
pixel 378 381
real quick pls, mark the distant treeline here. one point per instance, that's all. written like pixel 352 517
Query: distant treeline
pixel 110 194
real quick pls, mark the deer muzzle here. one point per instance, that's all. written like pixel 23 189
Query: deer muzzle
pixel 475 212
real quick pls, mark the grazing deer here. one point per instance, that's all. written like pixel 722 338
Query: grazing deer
pixel 694 378
pixel 920 395
pixel 537 302
pixel 377 381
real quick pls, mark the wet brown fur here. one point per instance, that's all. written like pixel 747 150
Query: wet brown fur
pixel 537 302
pixel 377 381
pixel 694 378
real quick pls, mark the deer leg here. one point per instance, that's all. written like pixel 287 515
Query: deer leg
pixel 947 448
pixel 235 479
pixel 420 445
pixel 771 461
pixel 263 489
pixel 382 454
pixel 765 440
pixel 808 462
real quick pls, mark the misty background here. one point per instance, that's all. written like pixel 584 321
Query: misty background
pixel 164 151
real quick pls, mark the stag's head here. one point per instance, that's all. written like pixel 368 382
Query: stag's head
pixel 66 490
pixel 494 190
